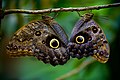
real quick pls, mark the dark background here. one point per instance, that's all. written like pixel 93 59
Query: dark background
pixel 29 68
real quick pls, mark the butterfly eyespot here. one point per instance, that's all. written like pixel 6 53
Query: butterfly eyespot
pixel 105 42
pixel 100 31
pixel 37 33
pixel 54 43
pixel 43 42
pixel 90 38
pixel 94 29
pixel 80 39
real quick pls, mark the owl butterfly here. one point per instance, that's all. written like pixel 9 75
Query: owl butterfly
pixel 44 39
pixel 88 39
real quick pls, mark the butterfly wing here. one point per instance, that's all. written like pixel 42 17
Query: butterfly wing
pixel 102 51
pixel 21 44
pixel 88 39
pixel 56 28
pixel 40 40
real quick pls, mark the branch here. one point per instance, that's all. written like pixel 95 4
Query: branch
pixel 78 69
pixel 10 11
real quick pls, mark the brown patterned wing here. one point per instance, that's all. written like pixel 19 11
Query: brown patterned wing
pixel 21 44
pixel 38 39
pixel 88 39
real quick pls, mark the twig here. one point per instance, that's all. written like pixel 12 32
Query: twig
pixel 10 11
pixel 78 69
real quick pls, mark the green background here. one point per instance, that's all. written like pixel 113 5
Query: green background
pixel 29 68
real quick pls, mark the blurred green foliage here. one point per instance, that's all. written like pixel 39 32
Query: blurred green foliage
pixel 29 68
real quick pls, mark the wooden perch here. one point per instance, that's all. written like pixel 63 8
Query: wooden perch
pixel 11 11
